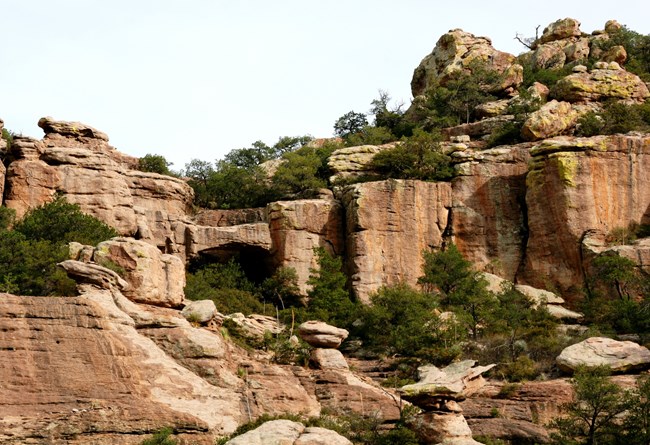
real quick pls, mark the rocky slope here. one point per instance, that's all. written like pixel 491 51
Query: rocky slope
pixel 120 361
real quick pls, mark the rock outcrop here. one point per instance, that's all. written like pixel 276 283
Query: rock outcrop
pixel 389 224
pixel 488 212
pixel 76 160
pixel 297 227
pixel 596 184
pixel 455 52
pixel 607 80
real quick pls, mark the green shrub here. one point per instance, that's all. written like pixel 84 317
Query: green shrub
pixel 30 252
pixel 161 438
pixel 62 222
pixel 154 164
pixel 417 157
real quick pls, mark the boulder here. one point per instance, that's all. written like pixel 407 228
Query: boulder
pixel 616 54
pixel 443 429
pixel 287 432
pixel 275 432
pixel 454 382
pixel 552 119
pixel 352 162
pixel 70 129
pixel 600 84
pixel 321 436
pixel 94 274
pixel 154 278
pixel 561 29
pixel 201 311
pixel 620 356
pixel 321 335
pixel 328 359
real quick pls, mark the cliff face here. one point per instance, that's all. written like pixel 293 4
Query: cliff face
pixel 576 186
pixel 388 226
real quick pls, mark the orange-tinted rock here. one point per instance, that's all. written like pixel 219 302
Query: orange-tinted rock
pixel 70 371
pixel 76 160
pixel 389 224
pixel 488 213
pixel 455 52
pixel 297 227
pixel 575 186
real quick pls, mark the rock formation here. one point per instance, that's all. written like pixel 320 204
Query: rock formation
pixel 389 224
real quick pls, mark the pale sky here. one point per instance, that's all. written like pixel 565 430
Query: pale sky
pixel 197 78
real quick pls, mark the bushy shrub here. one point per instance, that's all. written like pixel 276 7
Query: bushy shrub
pixel 417 157
pixel 62 222
pixel 154 164
pixel 29 253
pixel 162 437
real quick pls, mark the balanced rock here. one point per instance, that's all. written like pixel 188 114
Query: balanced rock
pixel 561 29
pixel 70 129
pixel 620 356
pixel 200 311
pixel 453 382
pixel 322 335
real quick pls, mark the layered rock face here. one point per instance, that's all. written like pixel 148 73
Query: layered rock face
pixel 388 226
pixel 76 160
pixel 101 368
pixel 575 186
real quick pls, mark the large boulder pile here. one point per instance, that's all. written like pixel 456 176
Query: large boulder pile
pixel 455 52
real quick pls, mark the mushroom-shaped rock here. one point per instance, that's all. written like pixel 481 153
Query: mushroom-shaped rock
pixel 620 356
pixel 453 382
pixel 88 273
pixel 328 359
pixel 200 311
pixel 322 335
pixel 70 129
